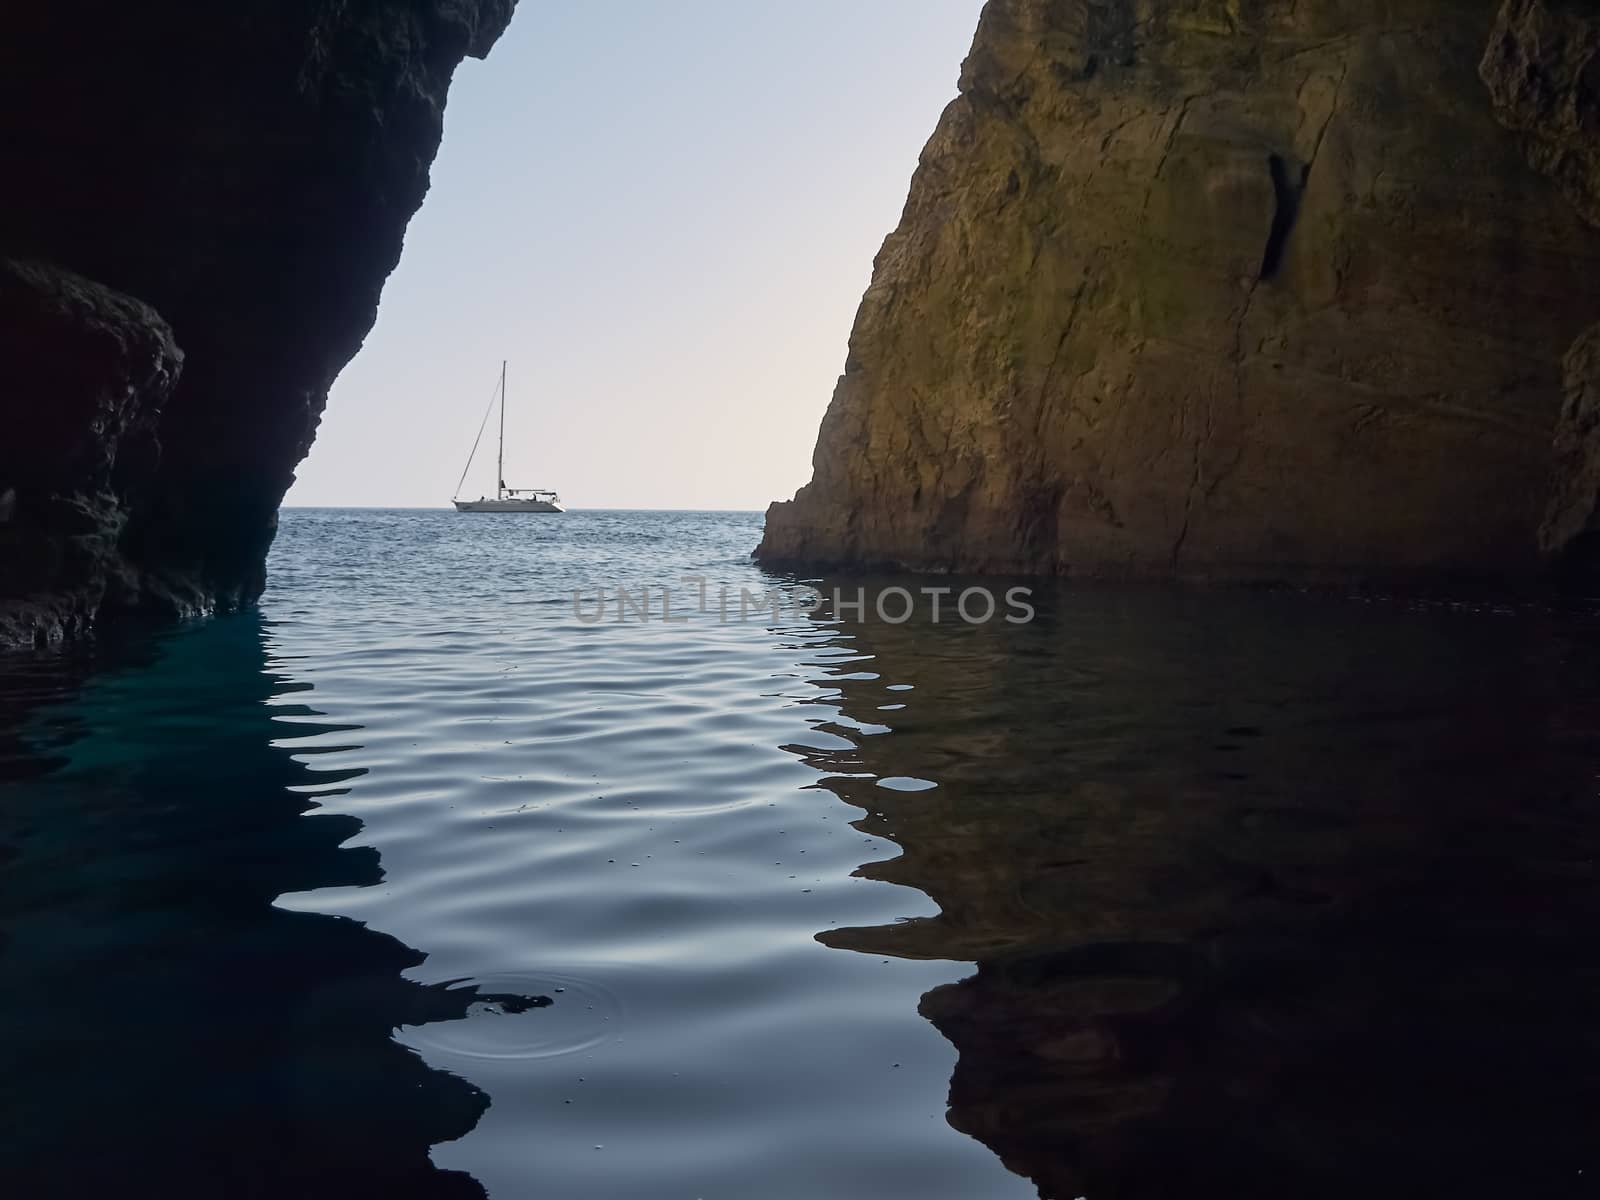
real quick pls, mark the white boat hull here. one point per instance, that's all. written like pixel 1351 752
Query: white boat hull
pixel 508 506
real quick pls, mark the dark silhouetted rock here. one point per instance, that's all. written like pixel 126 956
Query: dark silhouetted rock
pixel 246 170
pixel 99 366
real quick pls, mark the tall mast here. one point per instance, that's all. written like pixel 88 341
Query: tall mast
pixel 500 465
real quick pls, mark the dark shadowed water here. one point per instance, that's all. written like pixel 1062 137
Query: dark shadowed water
pixel 419 884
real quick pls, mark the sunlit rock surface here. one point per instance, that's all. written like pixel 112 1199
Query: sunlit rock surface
pixel 1259 291
pixel 222 185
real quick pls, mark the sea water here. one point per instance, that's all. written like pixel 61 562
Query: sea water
pixel 453 868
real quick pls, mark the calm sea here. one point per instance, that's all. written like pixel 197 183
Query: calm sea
pixel 422 882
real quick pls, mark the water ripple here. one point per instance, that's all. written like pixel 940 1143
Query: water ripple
pixel 525 1015
pixel 631 812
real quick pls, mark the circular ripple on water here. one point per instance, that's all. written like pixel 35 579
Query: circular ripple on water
pixel 526 1015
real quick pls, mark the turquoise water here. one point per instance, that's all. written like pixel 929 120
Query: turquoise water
pixel 418 882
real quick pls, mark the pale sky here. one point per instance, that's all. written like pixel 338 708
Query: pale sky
pixel 664 215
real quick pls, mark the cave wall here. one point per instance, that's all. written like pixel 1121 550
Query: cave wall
pixel 1237 289
pixel 202 203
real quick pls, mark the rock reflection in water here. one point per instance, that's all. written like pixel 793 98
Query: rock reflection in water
pixel 1268 896
pixel 178 1035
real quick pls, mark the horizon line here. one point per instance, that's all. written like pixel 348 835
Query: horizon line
pixel 441 508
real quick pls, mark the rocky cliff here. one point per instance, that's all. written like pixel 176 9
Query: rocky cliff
pixel 1543 71
pixel 202 203
pixel 1250 289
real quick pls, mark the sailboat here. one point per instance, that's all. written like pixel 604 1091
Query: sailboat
pixel 506 499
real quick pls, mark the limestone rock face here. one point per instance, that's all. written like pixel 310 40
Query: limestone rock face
pixel 1572 529
pixel 237 177
pixel 1236 290
pixel 1543 71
